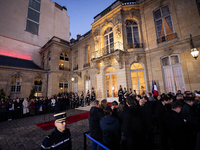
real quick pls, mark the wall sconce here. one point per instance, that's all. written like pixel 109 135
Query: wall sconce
pixel 72 79
pixel 194 51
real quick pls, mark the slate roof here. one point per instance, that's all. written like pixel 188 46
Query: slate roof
pixel 17 62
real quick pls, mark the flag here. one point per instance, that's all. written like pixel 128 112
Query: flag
pixel 155 89
pixel 152 87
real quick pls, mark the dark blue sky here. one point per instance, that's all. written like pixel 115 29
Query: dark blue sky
pixel 82 13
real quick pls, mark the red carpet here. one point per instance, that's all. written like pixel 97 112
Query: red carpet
pixel 50 124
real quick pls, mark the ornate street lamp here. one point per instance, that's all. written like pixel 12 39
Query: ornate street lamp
pixel 72 79
pixel 194 51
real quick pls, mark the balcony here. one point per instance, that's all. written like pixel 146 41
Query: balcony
pixel 86 65
pixel 75 68
pixel 167 38
pixel 135 45
pixel 107 50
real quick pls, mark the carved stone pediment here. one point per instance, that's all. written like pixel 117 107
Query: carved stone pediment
pixel 117 20
pixel 168 51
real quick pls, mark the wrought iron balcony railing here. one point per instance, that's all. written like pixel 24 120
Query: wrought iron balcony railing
pixel 167 38
pixel 86 65
pixel 107 50
pixel 135 45
pixel 75 68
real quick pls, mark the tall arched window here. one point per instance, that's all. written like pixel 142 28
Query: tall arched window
pixel 108 38
pixel 87 84
pixel 38 86
pixel 111 84
pixel 163 22
pixel 63 85
pixel 75 60
pixel 49 60
pixel 64 61
pixel 138 78
pixel 172 74
pixel 16 86
pixel 132 34
pixel 76 85
pixel 87 54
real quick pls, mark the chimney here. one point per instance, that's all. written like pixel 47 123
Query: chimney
pixel 78 36
pixel 72 40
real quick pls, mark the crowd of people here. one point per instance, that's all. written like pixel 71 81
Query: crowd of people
pixel 133 122
pixel 23 107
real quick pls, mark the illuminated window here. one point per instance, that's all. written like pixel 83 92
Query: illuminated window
pixel 16 86
pixel 111 83
pixel 172 74
pixel 132 34
pixel 87 54
pixel 163 22
pixel 138 78
pixel 64 61
pixel 108 38
pixel 38 87
pixel 63 85
pixel 33 16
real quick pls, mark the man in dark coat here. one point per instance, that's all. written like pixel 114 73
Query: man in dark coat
pixel 120 93
pixel 135 126
pixel 94 118
pixel 60 138
pixel 159 116
pixel 177 128
pixel 110 127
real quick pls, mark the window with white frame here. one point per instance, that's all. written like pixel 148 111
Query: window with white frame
pixel 109 45
pixel 132 34
pixel 172 74
pixel 16 86
pixel 87 84
pixel 163 23
pixel 138 78
pixel 33 16
pixel 63 85
pixel 38 86
pixel 64 61
pixel 76 85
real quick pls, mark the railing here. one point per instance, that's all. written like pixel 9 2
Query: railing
pixel 63 68
pixel 107 50
pixel 128 3
pixel 86 65
pixel 167 38
pixel 135 45
pixel 75 68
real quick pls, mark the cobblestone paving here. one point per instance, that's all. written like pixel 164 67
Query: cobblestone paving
pixel 23 134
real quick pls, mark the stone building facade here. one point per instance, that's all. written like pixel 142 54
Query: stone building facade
pixel 131 44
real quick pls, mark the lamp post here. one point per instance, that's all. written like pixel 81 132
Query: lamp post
pixel 194 51
pixel 72 79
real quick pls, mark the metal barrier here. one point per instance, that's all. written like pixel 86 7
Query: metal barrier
pixel 97 142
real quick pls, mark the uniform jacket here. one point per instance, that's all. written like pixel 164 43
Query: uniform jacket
pixel 57 140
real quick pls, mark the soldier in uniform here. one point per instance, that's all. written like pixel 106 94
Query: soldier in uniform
pixel 82 99
pixel 76 101
pixel 93 96
pixel 72 101
pixel 130 92
pixel 120 93
pixel 125 93
pixel 88 97
pixel 60 138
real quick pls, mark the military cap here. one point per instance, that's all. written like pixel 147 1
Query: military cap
pixel 60 116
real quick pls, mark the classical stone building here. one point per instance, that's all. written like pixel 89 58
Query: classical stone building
pixel 130 44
